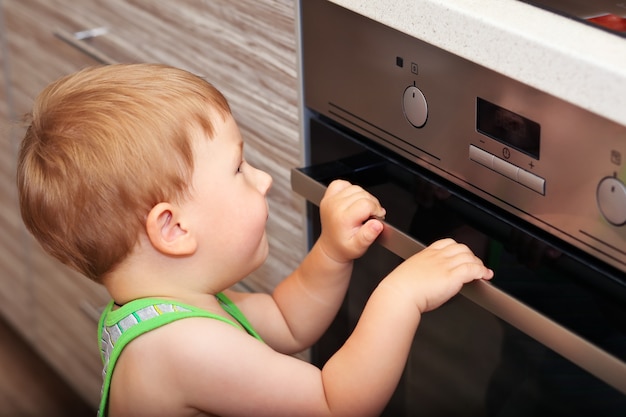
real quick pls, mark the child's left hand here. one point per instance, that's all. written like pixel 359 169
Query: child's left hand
pixel 349 221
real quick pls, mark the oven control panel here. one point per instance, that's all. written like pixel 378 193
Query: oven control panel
pixel 542 159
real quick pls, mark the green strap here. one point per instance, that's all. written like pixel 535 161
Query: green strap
pixel 232 309
pixel 119 327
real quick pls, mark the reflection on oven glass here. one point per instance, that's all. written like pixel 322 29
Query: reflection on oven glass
pixel 516 375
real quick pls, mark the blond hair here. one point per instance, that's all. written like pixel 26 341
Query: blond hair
pixel 104 145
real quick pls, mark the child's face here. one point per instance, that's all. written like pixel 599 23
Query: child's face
pixel 228 204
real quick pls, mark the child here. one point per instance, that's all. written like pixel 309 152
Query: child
pixel 134 175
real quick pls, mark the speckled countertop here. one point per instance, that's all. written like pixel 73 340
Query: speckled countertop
pixel 570 60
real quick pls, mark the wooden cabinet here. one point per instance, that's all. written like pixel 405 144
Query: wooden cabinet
pixel 46 301
pixel 245 48
pixel 67 306
pixel 15 294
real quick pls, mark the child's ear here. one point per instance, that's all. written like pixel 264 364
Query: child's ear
pixel 167 232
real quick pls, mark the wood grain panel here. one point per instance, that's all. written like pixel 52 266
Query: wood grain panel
pixel 66 326
pixel 15 294
pixel 28 387
pixel 245 48
pixel 44 303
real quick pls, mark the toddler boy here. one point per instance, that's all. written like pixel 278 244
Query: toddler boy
pixel 135 176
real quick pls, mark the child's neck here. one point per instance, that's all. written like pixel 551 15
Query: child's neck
pixel 148 273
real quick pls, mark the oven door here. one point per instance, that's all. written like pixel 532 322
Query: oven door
pixel 547 336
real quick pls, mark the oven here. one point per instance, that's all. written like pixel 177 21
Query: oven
pixel 534 185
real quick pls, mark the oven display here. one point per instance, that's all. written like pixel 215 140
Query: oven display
pixel 507 127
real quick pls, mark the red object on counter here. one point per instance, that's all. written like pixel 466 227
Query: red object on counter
pixel 610 21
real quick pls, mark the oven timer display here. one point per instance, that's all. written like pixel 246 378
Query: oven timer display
pixel 508 127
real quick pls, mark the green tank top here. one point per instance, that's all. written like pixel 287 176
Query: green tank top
pixel 118 327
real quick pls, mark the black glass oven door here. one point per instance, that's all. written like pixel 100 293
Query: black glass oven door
pixel 528 343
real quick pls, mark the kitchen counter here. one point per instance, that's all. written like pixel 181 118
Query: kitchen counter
pixel 570 60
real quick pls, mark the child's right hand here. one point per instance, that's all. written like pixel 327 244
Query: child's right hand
pixel 437 273
pixel 349 221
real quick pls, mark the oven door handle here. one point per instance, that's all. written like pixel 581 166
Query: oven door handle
pixel 547 332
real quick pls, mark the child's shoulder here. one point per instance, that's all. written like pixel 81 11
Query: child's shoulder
pixel 179 331
pixel 170 360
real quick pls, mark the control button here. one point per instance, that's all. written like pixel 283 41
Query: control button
pixel 517 174
pixel 480 156
pixel 532 181
pixel 505 168
pixel 415 106
pixel 611 195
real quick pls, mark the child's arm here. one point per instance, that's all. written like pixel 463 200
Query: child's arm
pixel 375 354
pixel 305 303
pixel 239 376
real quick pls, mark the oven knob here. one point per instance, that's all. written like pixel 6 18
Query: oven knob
pixel 414 106
pixel 611 195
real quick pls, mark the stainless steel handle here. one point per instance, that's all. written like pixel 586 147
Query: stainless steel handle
pixel 569 345
pixel 391 238
pixel 77 40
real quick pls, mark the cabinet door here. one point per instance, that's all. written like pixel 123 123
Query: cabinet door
pixel 67 311
pixel 47 302
pixel 15 293
pixel 32 59
pixel 245 48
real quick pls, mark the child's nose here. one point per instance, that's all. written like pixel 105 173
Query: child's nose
pixel 263 181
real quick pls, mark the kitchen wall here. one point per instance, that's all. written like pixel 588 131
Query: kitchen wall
pixel 246 48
